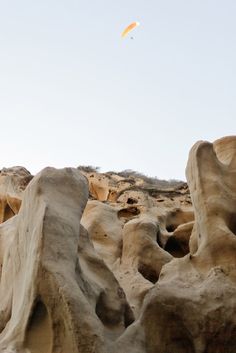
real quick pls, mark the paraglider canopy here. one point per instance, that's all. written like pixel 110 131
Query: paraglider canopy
pixel 129 28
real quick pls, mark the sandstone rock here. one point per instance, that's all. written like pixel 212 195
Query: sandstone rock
pixel 105 230
pixel 178 243
pixel 192 307
pixel 142 259
pixel 47 303
pixel 131 270
pixel 13 182
pixel 98 186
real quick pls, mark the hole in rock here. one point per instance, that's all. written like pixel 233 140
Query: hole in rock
pixel 174 248
pixel 232 223
pixel 129 316
pixel 148 273
pixel 131 201
pixel 170 228
pixel 39 331
pixel 177 218
pixel 8 213
pixel 128 212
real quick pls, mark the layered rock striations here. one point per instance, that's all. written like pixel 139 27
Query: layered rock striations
pixel 118 262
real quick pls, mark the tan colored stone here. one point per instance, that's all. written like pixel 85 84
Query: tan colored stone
pixel 47 303
pixel 124 280
pixel 13 182
pixel 192 309
pixel 142 260
pixel 105 230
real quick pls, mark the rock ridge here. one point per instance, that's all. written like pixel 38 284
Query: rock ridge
pixel 113 262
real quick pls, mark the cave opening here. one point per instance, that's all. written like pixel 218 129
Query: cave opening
pixel 174 248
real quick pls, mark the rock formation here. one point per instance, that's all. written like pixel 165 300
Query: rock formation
pixel 103 263
pixel 13 182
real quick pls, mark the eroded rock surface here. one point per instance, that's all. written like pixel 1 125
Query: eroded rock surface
pixel 101 263
pixel 192 307
pixel 13 182
pixel 49 301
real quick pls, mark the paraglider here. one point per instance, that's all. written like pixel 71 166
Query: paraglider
pixel 126 31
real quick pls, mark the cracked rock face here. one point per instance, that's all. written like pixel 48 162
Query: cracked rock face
pixel 100 263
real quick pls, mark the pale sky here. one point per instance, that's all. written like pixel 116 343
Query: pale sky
pixel 72 92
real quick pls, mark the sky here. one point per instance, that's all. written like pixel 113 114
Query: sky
pixel 73 92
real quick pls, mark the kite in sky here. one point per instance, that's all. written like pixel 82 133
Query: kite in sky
pixel 128 29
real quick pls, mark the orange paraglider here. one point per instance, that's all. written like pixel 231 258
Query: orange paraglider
pixel 129 28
